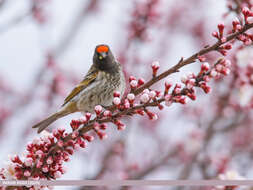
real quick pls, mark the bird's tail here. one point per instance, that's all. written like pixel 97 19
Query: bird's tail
pixel 46 122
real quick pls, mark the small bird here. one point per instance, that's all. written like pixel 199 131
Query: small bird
pixel 103 78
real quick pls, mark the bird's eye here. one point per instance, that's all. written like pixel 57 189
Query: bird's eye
pixel 100 57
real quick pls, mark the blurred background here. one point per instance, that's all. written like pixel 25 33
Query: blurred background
pixel 46 47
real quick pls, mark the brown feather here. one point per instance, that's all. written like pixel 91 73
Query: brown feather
pixel 90 77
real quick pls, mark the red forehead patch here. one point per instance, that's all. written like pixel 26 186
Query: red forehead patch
pixel 102 48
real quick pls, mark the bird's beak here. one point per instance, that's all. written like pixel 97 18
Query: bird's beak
pixel 103 54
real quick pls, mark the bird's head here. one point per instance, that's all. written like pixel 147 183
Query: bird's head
pixel 103 58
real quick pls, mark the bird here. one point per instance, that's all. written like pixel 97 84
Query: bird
pixel 104 77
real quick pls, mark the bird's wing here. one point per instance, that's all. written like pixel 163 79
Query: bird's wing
pixel 89 78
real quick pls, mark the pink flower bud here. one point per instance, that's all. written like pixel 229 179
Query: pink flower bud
pixel 131 78
pixel 225 71
pixel 238 27
pixel 28 162
pixel 160 106
pixel 205 66
pixel 155 65
pixel 102 135
pixel 39 164
pixel 227 63
pixel 57 174
pixel 201 58
pixel 192 96
pixel 69 151
pixel 223 39
pixel 96 126
pixel 126 104
pixel 55 167
pixel 83 120
pixel 103 126
pixel 27 173
pixel 177 89
pixel 236 21
pixel 167 97
pixel 50 160
pixel 88 116
pixel 159 94
pixel 183 100
pixel 116 101
pixel 168 83
pixel 75 134
pixel 16 159
pixel 184 79
pixel 116 94
pixel 121 126
pixel 89 138
pixel 245 11
pixel 71 143
pixel 56 134
pixel 107 113
pixel 151 115
pixel 219 68
pixel 213 73
pixel 45 169
pixel 60 143
pixel 98 109
pixel 152 94
pixel 191 83
pixel 155 117
pixel 82 144
pixel 36 141
pixel 206 78
pixel 133 84
pixel 190 75
pixel 75 124
pixel 144 98
pixel 215 34
pixel 228 46
pixel 221 26
pixel 141 81
pixel 206 88
pixel 39 153
pixel 130 96
pixel 140 112
pixel 145 91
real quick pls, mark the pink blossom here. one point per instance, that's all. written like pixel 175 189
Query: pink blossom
pixel 145 98
pixel 116 101
pixel 133 84
pixel 98 109
pixel 131 96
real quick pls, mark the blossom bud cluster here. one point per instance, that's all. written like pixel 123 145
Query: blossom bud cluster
pixel 220 33
pixel 134 83
pixel 246 14
pixel 179 94
pixel 236 27
pixel 45 155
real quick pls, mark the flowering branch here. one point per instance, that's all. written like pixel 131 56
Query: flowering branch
pixel 47 154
